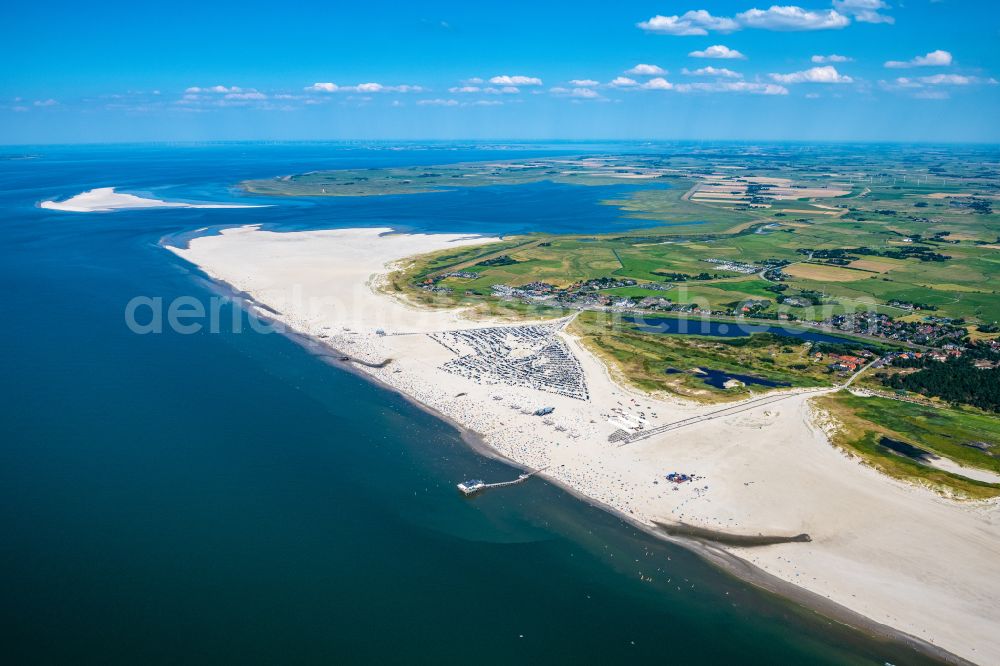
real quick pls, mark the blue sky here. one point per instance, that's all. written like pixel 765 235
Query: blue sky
pixel 894 70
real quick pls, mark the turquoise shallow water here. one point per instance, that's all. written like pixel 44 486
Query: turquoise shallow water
pixel 230 498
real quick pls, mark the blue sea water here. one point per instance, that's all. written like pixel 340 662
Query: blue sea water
pixel 230 498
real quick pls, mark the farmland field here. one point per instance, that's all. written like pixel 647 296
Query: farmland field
pixel 804 234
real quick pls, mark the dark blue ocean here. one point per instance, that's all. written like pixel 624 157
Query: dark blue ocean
pixel 230 498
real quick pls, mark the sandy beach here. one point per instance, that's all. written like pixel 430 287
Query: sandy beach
pixel 106 200
pixel 897 554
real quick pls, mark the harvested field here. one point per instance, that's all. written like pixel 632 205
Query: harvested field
pixel 875 265
pixel 822 273
pixel 947 286
pixel 811 211
pixel 945 195
pixel 805 193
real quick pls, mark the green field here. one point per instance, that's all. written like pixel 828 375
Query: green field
pixel 948 216
pixel 643 359
pixel 947 432
pixel 959 287
pixel 885 200
pixel 848 228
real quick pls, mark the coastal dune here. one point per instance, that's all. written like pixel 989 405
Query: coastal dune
pixel 896 554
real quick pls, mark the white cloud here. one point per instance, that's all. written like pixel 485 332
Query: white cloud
pixel 833 57
pixel 194 90
pixel 826 74
pixel 451 103
pixel 775 17
pixel 252 94
pixel 506 90
pixel 623 82
pixel 929 87
pixel 734 87
pixel 366 88
pixel 579 93
pixel 505 80
pixel 464 89
pixel 937 58
pixel 865 11
pixel 659 83
pixel 585 83
pixel 901 82
pixel 475 81
pixel 718 51
pixel 198 98
pixel 714 71
pixel 316 87
pixel 643 69
pixel 946 80
pixel 695 22
pixel 792 18
pixel 45 102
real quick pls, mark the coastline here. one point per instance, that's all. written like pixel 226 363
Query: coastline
pixel 742 570
pixel 708 550
pixel 731 563
pixel 249 305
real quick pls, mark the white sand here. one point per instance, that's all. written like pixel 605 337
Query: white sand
pixel 974 473
pixel 105 199
pixel 898 554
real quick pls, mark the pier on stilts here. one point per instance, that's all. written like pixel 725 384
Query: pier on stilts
pixel 474 486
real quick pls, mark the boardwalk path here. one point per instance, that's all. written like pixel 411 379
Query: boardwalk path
pixel 627 438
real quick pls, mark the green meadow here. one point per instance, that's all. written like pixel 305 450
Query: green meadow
pixel 962 286
pixel 966 436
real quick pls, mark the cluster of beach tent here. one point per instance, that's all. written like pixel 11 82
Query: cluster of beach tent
pixel 677 477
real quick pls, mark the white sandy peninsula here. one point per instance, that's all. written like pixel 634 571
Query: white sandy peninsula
pixel 105 199
pixel 899 555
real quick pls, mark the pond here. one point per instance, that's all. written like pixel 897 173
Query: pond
pixel 718 378
pixel 722 329
pixel 907 450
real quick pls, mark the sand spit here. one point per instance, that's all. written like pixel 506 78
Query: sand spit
pixel 105 200
pixel 898 555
